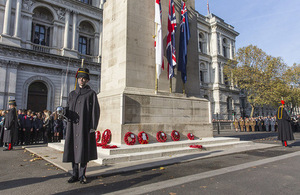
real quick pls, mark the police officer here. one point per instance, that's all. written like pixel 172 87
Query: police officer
pixel 83 114
pixel 10 134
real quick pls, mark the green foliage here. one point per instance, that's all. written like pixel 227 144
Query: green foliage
pixel 264 78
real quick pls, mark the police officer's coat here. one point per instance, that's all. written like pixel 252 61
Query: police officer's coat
pixel 83 112
pixel 11 124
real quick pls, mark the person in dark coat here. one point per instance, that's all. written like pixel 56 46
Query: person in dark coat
pixel 21 114
pixel 10 126
pixel 285 132
pixel 2 117
pixel 46 126
pixel 38 126
pixel 83 114
pixel 58 127
pixel 27 126
pixel 260 124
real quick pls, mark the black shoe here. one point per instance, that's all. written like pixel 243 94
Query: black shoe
pixel 73 179
pixel 83 180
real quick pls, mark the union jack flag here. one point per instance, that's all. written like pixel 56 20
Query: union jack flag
pixel 171 51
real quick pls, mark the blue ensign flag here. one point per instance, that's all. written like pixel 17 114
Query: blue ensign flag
pixel 184 39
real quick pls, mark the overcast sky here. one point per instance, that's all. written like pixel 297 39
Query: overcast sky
pixel 272 25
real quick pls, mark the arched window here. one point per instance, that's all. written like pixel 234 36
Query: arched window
pixel 86 38
pixel 37 96
pixel 202 43
pixel 42 23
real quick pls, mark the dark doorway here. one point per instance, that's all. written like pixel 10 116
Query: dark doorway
pixel 37 97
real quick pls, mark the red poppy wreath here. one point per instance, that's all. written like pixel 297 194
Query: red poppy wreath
pixel 161 136
pixel 143 138
pixel 190 136
pixel 132 136
pixel 175 135
pixel 106 135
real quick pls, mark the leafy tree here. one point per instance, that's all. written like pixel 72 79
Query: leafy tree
pixel 259 75
pixel 292 79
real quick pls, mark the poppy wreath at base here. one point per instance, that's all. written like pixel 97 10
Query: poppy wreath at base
pixel 196 146
pixel 143 137
pixel 106 135
pixel 109 146
pixel 175 135
pixel 98 135
pixel 132 136
pixel 190 136
pixel 161 136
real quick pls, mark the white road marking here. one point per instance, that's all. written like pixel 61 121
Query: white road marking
pixel 192 178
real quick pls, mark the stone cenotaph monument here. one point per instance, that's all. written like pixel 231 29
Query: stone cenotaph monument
pixel 127 99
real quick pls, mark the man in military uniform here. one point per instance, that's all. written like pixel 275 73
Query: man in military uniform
pixel 247 124
pixel 10 126
pixel 83 114
pixel 242 124
pixel 252 124
pixel 285 132
pixel 236 124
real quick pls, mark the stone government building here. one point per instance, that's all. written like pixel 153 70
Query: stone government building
pixel 42 43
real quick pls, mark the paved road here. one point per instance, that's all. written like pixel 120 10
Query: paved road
pixel 267 171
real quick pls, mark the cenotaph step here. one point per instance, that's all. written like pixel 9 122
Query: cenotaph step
pixel 139 152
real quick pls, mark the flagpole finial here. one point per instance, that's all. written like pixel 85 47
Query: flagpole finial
pixel 82 61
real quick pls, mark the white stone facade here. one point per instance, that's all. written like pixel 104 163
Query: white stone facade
pixel 216 45
pixel 40 45
pixel 53 60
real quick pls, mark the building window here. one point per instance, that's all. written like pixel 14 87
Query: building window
pixel 84 45
pixel 41 35
pixel 202 43
pixel 86 1
pixel 42 23
pixel 226 80
pixel 225 48
pixel 201 77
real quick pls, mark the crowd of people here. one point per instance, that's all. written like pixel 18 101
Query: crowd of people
pixel 37 127
pixel 263 124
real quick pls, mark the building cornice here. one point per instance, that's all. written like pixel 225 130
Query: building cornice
pixel 77 7
pixel 26 56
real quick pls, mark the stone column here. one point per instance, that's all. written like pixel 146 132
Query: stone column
pixel 67 24
pixel 222 75
pixel 3 69
pixel 18 18
pixel 208 73
pixel 221 45
pixel 207 44
pixel 96 44
pixel 230 50
pixel 74 31
pixel 7 16
pixel 100 39
pixel 217 71
pixel 101 4
pixel 55 31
